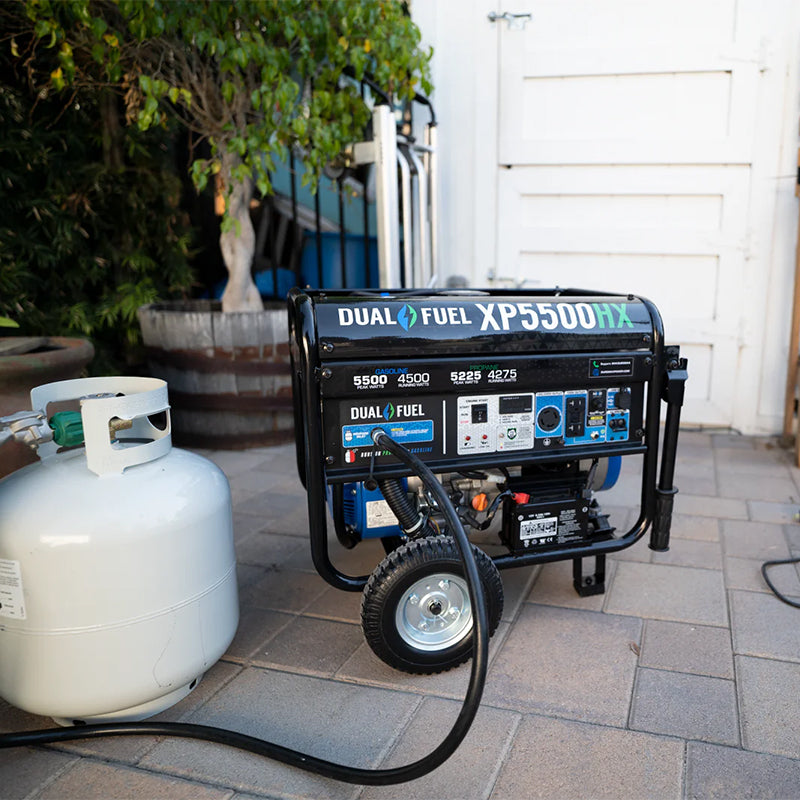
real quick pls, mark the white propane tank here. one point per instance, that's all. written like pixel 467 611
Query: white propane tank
pixel 117 567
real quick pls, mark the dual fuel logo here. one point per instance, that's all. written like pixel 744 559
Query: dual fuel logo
pixel 406 317
pixel 389 412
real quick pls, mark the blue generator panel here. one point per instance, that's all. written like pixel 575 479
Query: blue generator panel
pixel 366 511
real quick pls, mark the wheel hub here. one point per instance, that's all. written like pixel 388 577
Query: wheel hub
pixel 434 613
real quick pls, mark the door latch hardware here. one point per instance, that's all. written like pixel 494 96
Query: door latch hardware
pixel 516 22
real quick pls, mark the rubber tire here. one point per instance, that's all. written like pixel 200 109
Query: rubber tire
pixel 387 584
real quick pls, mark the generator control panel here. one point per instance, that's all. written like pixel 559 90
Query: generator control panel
pixel 510 407
pixel 491 423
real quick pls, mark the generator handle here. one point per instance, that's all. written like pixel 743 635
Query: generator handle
pixel 672 395
pixel 673 390
pixel 312 454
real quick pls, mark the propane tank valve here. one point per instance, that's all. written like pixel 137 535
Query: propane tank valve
pixel 68 427
pixel 65 428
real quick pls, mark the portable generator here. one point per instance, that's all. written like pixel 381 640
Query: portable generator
pixel 521 402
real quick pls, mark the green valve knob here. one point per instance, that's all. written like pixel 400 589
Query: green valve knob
pixel 67 428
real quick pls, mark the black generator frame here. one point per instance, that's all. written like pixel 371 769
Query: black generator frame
pixel 666 384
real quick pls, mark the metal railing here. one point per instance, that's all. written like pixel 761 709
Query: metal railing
pixel 380 231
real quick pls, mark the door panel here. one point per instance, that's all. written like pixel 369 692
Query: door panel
pixel 627 167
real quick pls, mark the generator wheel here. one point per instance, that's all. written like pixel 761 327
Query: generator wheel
pixel 415 610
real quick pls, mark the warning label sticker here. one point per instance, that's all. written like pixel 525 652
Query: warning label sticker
pixel 538 528
pixel 379 515
pixel 11 602
pixel 420 430
pixel 551 523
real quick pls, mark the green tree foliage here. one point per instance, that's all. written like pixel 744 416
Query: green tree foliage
pixel 255 78
pixel 91 226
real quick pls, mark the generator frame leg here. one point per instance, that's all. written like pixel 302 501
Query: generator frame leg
pixel 588 585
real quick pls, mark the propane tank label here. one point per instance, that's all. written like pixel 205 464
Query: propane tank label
pixel 11 602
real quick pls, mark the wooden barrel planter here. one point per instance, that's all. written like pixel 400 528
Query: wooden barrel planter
pixel 29 361
pixel 228 374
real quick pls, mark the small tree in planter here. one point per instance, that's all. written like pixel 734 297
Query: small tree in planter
pixel 256 78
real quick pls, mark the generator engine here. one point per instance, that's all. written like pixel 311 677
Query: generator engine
pixel 522 403
pixel 478 497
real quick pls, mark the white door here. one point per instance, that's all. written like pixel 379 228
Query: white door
pixel 626 134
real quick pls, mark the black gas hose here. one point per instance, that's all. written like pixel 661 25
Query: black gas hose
pixel 782 597
pixel 412 522
pixel 328 769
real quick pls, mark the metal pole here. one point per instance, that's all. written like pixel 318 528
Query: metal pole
pixel 342 234
pixel 318 239
pixel 296 228
pixel 365 204
pixel 432 169
pixel 367 265
pixel 407 219
pixel 387 207
pixel 420 210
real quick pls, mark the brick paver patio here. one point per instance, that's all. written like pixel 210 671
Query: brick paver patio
pixel 682 681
